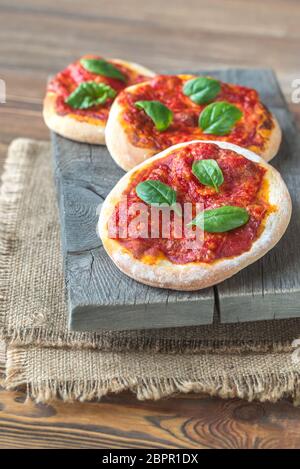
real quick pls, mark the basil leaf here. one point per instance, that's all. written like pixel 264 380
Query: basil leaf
pixel 219 118
pixel 202 90
pixel 102 67
pixel 90 93
pixel 161 115
pixel 209 173
pixel 219 220
pixel 156 192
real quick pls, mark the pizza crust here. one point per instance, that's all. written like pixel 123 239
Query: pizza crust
pixel 73 128
pixel 195 276
pixel 273 142
pixel 126 155
pixel 70 127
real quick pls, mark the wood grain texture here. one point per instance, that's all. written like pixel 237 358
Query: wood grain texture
pixel 38 37
pixel 123 422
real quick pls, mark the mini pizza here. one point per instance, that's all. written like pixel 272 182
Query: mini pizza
pixel 194 215
pixel 149 117
pixel 79 98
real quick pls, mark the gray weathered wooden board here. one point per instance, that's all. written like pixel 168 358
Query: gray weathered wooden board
pixel 101 297
pixel 270 288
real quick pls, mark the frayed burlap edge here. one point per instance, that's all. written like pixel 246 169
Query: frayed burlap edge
pixel 13 180
pixel 2 363
pixel 259 386
pixel 39 337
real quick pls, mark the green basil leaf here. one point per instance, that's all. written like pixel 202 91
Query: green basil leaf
pixel 102 67
pixel 219 118
pixel 209 173
pixel 219 220
pixel 202 90
pixel 156 192
pixel 90 93
pixel 161 115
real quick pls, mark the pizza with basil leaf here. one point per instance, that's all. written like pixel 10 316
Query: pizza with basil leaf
pixel 79 98
pixel 194 215
pixel 166 110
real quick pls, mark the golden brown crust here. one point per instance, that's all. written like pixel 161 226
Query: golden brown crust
pixel 273 141
pixel 71 126
pixel 194 276
pixel 127 156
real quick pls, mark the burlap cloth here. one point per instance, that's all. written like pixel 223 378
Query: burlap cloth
pixel 252 360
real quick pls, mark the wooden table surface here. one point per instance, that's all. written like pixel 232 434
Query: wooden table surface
pixel 37 38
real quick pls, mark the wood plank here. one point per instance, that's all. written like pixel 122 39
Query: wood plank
pixel 46 37
pixel 270 288
pixel 123 422
pixel 100 296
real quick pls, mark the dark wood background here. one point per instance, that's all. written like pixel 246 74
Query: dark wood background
pixel 37 38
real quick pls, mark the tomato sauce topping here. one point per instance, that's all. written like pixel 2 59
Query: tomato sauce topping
pixel 243 186
pixel 250 132
pixel 65 82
